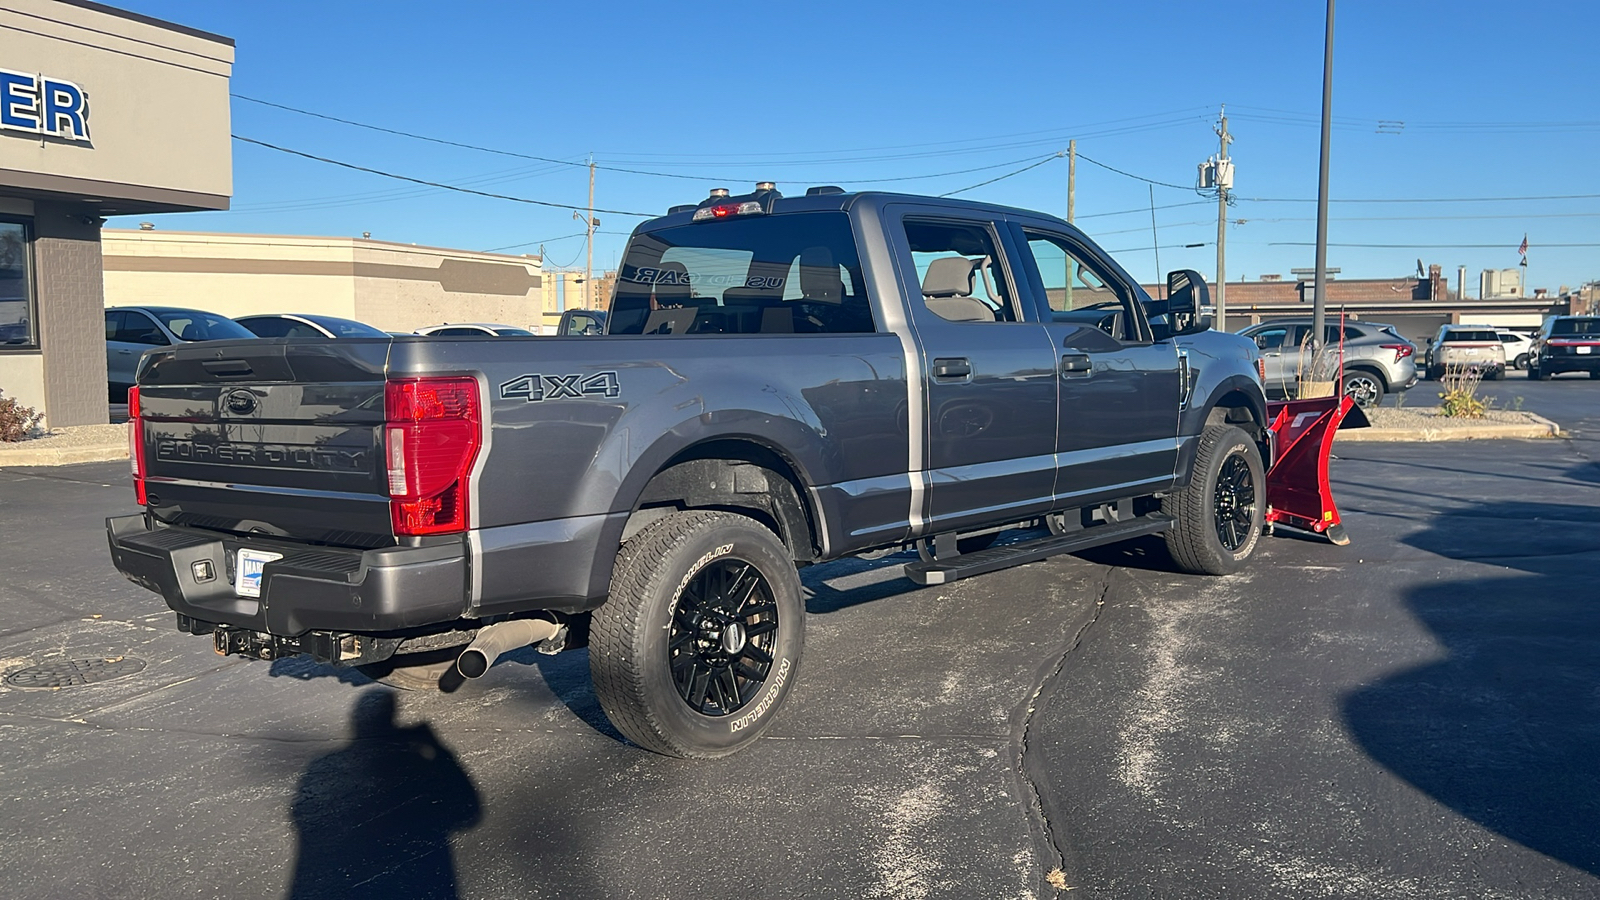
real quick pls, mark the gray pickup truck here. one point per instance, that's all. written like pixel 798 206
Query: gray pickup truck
pixel 783 381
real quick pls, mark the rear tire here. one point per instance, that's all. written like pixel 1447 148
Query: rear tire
pixel 1220 513
pixel 1366 388
pixel 700 641
pixel 1537 374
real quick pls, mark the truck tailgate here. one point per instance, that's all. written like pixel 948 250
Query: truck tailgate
pixel 269 437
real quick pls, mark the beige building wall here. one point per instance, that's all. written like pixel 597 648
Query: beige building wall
pixel 158 116
pixel 395 287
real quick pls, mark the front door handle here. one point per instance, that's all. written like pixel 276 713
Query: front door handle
pixel 1076 365
pixel 952 369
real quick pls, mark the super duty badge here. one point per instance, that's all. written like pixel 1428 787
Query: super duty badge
pixel 533 388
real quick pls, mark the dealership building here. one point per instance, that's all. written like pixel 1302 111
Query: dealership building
pixel 102 113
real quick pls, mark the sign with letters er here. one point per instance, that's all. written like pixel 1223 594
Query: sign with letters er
pixel 37 104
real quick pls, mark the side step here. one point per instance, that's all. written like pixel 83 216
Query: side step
pixel 944 571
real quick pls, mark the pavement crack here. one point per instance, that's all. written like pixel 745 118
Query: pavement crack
pixel 1022 734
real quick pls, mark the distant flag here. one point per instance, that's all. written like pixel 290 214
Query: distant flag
pixel 1524 248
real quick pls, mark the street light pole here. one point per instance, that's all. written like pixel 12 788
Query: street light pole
pixel 1319 296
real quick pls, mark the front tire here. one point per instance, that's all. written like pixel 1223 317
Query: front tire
pixel 1221 511
pixel 700 641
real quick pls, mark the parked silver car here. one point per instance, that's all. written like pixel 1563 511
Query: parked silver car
pixel 474 329
pixel 300 325
pixel 1476 347
pixel 1377 360
pixel 131 330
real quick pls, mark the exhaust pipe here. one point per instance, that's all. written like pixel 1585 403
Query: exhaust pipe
pixel 501 638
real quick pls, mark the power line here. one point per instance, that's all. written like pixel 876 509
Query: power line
pixel 1165 184
pixel 980 184
pixel 1144 209
pixel 1424 246
pixel 565 237
pixel 1419 199
pixel 436 184
pixel 678 175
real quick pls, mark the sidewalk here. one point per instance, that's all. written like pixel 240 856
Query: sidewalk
pixel 65 446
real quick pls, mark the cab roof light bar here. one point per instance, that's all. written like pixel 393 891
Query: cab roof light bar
pixel 720 205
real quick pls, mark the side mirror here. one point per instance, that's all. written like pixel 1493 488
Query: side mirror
pixel 1182 312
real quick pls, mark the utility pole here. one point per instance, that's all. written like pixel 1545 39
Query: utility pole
pixel 588 263
pixel 1072 178
pixel 1320 295
pixel 1223 140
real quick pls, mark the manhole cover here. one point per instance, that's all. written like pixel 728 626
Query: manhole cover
pixel 75 672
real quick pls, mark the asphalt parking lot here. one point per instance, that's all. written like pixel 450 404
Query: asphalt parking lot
pixel 1414 715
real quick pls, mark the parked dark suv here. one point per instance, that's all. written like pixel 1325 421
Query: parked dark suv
pixel 1566 344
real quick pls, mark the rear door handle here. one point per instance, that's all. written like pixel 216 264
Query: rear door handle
pixel 952 369
pixel 1076 365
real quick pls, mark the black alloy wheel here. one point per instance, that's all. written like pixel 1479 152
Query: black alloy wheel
pixel 724 629
pixel 1234 503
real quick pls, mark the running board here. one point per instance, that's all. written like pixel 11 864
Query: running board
pixel 944 571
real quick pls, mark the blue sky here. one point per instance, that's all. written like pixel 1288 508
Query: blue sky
pixel 1496 100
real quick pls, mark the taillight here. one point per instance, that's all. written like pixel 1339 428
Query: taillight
pixel 136 445
pixel 1401 351
pixel 431 440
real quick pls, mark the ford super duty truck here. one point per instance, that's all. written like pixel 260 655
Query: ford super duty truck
pixel 783 381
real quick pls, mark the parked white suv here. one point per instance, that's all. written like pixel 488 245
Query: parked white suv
pixel 1474 346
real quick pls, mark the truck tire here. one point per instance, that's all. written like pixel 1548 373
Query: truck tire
pixel 1220 512
pixel 701 638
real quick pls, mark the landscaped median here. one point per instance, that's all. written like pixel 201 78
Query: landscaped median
pixel 65 446
pixel 1429 424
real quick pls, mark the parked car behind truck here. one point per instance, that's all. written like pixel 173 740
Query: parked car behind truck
pixel 784 381
pixel 1377 360
pixel 1472 347
pixel 132 330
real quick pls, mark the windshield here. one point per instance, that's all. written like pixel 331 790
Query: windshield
pixel 1589 327
pixel 345 328
pixel 193 325
pixel 780 274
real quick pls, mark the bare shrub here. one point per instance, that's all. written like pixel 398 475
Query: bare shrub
pixel 17 422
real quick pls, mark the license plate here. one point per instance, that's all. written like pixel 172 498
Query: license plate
pixel 247 581
pixel 1585 349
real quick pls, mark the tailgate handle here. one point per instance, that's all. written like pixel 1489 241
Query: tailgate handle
pixel 227 368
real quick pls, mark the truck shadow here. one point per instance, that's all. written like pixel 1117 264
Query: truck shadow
pixel 1505 727
pixel 374 818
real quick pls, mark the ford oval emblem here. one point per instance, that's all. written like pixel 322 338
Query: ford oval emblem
pixel 240 403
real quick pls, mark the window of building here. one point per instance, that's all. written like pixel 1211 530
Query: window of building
pixel 19 308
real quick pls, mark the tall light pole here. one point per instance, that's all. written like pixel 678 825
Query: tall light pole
pixel 1224 181
pixel 1319 295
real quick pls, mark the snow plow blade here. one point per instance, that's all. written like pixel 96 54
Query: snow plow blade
pixel 1298 493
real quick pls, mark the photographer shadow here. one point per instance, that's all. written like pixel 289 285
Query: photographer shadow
pixel 374 818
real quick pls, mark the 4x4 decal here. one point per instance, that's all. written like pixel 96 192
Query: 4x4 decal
pixel 533 388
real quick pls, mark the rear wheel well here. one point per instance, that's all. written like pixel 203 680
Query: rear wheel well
pixel 736 476
pixel 1370 369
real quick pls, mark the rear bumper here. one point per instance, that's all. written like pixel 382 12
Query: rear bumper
pixel 1575 363
pixel 322 588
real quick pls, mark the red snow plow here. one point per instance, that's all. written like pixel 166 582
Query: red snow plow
pixel 1298 494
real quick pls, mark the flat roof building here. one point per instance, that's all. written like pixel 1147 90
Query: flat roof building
pixel 102 112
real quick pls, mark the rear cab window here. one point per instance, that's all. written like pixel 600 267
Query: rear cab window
pixel 789 273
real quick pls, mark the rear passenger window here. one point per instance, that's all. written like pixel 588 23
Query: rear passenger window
pixel 960 271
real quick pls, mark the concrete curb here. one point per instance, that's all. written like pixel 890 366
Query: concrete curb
pixel 63 456
pixel 1540 427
